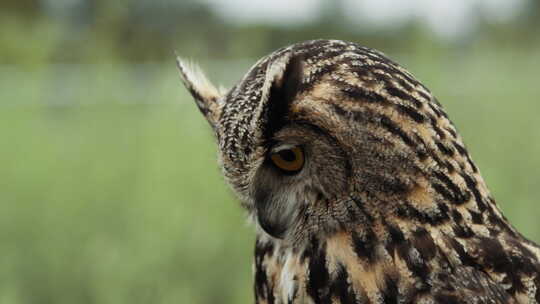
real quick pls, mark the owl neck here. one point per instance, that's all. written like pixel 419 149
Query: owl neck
pixel 395 261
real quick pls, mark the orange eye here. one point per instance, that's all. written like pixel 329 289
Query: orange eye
pixel 289 160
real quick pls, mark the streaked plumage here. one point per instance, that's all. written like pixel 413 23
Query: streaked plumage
pixel 388 206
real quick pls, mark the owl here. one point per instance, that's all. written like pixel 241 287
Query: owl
pixel 358 185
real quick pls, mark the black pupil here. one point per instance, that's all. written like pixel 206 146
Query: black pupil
pixel 287 155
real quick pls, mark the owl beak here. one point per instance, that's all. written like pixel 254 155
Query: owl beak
pixel 274 212
pixel 206 95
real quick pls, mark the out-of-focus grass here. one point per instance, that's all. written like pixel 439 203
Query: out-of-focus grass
pixel 116 203
pixel 110 192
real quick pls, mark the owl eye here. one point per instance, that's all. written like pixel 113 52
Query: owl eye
pixel 290 160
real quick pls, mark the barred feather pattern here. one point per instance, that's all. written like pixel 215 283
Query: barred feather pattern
pixel 390 207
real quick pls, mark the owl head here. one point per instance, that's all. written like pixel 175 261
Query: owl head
pixel 326 135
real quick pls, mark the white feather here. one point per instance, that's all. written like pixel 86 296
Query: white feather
pixel 194 79
pixel 287 282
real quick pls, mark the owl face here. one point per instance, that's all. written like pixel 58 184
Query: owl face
pixel 327 135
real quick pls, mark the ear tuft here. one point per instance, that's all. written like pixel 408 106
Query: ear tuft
pixel 206 95
pixel 282 84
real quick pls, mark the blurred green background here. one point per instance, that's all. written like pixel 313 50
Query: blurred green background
pixel 110 191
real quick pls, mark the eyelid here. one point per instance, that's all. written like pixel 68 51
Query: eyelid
pixel 282 147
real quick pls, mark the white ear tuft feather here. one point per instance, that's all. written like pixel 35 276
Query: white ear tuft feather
pixel 195 81
pixel 206 95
